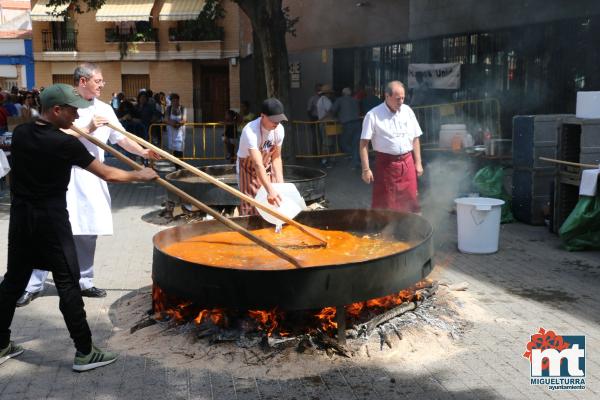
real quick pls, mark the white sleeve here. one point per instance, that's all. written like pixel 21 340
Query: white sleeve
pixel 368 126
pixel 249 139
pixel 280 135
pixel 114 136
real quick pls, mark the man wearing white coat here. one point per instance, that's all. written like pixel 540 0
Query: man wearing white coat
pixel 88 199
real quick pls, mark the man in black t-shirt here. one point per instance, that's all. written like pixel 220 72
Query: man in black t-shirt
pixel 39 231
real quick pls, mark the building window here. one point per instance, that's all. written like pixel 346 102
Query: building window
pixel 132 84
pixel 62 78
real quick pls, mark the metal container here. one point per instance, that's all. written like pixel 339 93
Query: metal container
pixel 310 182
pixel 500 147
pixel 305 288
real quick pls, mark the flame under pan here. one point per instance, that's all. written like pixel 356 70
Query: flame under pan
pixel 299 289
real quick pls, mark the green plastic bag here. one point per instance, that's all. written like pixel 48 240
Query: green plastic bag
pixel 581 230
pixel 489 182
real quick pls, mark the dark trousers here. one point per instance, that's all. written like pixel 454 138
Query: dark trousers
pixel 351 139
pixel 41 235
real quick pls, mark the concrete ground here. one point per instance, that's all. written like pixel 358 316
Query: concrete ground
pixel 530 283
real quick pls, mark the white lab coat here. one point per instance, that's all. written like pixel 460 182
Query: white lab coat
pixel 88 199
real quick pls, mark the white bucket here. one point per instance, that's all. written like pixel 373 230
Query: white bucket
pixel 291 202
pixel 478 220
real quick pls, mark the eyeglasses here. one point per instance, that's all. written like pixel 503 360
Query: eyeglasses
pixel 29 97
pixel 97 81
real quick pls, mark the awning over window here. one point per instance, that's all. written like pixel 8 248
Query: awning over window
pixel 43 12
pixel 180 10
pixel 8 71
pixel 125 10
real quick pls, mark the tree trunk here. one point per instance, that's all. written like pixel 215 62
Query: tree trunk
pixel 260 92
pixel 269 27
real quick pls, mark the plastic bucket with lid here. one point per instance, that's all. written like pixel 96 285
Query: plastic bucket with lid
pixel 478 220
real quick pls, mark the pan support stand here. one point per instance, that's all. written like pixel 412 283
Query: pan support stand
pixel 340 318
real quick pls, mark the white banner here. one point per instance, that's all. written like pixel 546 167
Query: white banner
pixel 434 76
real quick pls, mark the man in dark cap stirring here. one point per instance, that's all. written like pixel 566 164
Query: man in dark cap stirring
pixel 259 155
pixel 39 232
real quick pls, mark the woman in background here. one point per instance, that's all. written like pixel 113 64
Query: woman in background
pixel 28 109
pixel 175 118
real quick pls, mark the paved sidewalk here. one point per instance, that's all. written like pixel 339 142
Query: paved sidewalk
pixel 530 283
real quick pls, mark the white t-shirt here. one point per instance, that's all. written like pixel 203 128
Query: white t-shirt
pixel 254 136
pixel 389 132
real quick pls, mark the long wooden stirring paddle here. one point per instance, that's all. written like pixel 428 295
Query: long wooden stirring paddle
pixel 227 222
pixel 218 183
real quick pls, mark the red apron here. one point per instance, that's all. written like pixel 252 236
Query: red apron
pixel 395 184
pixel 248 179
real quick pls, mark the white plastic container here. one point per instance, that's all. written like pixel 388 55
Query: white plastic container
pixel 478 220
pixel 588 105
pixel 448 131
pixel 291 202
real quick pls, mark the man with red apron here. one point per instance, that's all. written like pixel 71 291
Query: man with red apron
pixel 394 131
pixel 259 155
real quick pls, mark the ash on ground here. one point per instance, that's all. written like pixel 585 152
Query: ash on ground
pixel 433 330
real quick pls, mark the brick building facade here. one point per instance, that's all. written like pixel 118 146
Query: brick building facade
pixel 143 44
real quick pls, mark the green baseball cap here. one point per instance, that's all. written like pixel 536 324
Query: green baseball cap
pixel 61 94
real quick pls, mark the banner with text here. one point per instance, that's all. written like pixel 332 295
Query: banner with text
pixel 434 76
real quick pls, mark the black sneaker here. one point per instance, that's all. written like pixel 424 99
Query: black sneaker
pixel 27 298
pixel 93 292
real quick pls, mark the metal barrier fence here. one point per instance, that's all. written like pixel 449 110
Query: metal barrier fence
pixel 315 139
pixel 203 141
pixel 477 115
pixel 323 139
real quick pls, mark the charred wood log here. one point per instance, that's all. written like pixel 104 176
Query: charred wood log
pixel 143 323
pixel 324 341
pixel 367 328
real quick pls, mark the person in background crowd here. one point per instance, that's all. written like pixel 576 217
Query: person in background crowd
pixel 114 102
pixel 128 116
pixel 259 155
pixel 175 118
pixel 360 93
pixel 164 102
pixel 370 101
pixel 150 94
pixel 324 105
pixel 88 198
pixel 346 109
pixel 42 160
pixel 16 100
pixel 146 111
pixel 229 137
pixel 9 106
pixel 161 109
pixel 29 110
pixel 245 116
pixel 393 129
pixel 3 115
pixel 311 106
